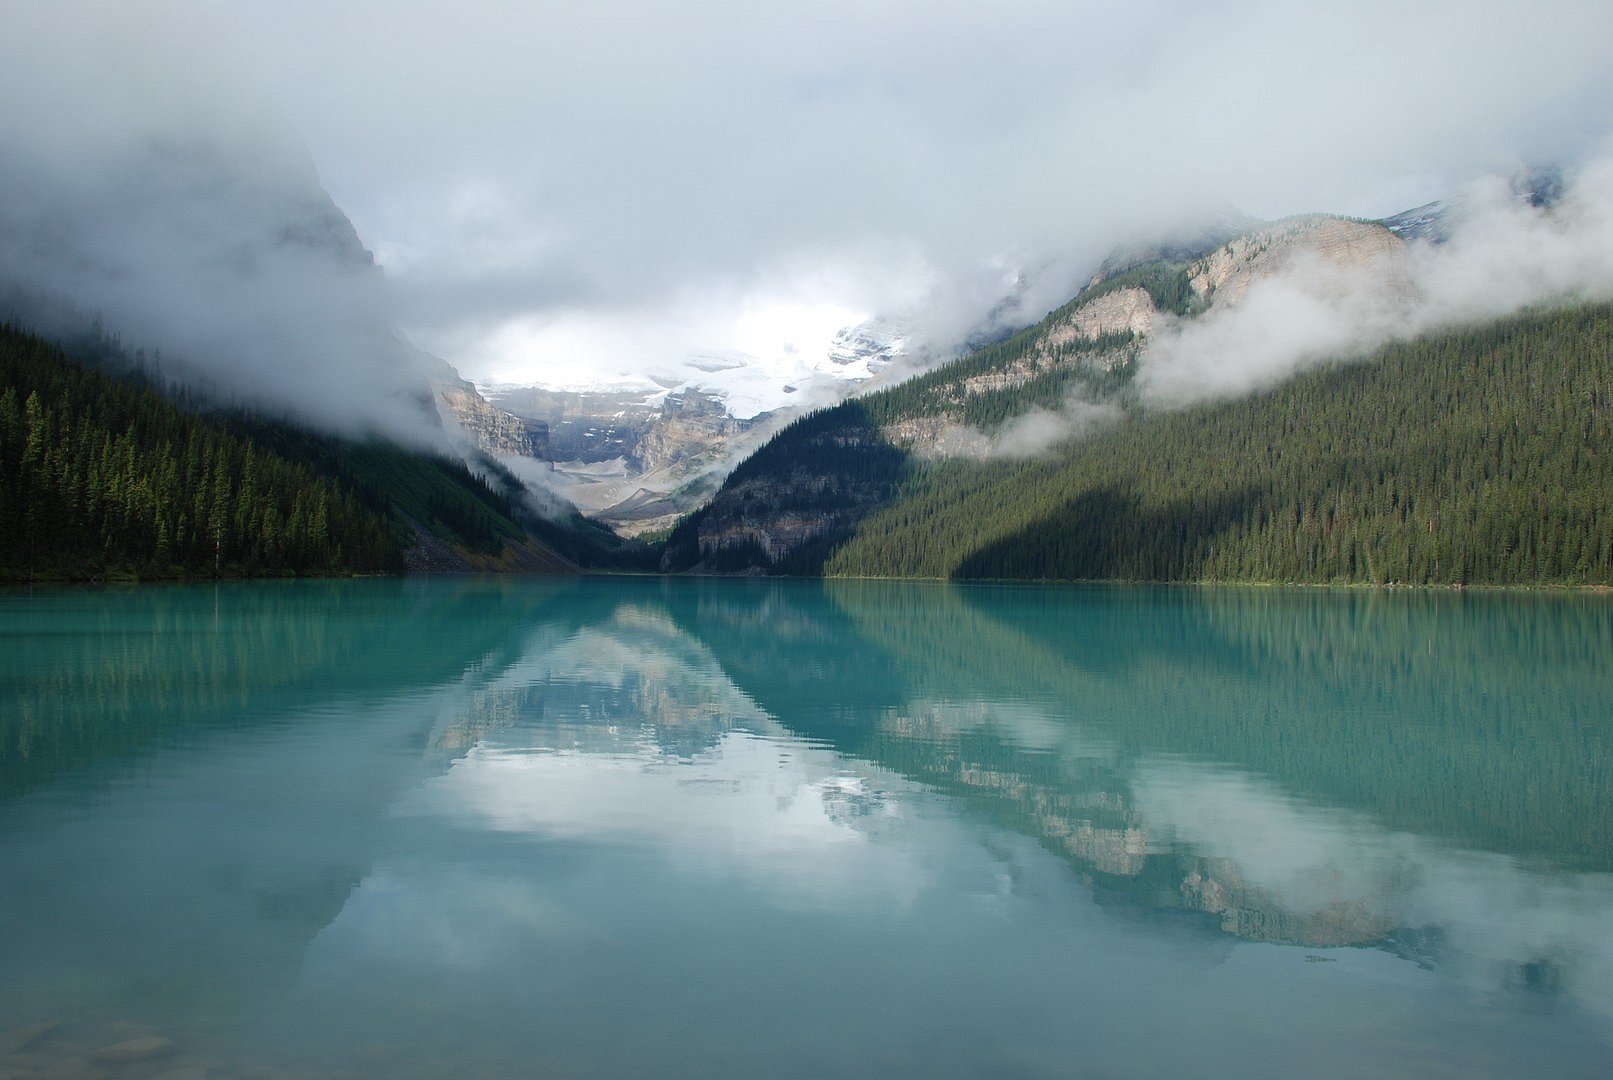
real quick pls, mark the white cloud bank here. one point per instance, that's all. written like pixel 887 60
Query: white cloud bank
pixel 536 177
pixel 1504 254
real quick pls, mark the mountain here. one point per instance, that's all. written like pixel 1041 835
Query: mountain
pixel 634 460
pixel 109 474
pixel 473 423
pixel 606 446
pixel 1459 458
pixel 1539 187
pixel 639 455
pixel 782 501
pixel 277 344
pixel 1192 238
pixel 223 250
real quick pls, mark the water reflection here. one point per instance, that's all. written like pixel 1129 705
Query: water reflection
pixel 1310 769
pixel 483 825
pixel 1422 773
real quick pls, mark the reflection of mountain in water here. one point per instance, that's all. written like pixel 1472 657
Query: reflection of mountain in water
pixel 236 749
pixel 1422 710
pixel 1297 767
pixel 1425 774
pixel 103 676
pixel 629 680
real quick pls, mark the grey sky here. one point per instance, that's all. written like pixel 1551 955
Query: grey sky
pixel 554 188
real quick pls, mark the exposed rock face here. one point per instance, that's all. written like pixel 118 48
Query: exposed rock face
pixel 777 535
pixel 1123 311
pixel 635 460
pixel 492 430
pixel 584 426
pixel 774 514
pixel 689 425
pixel 779 515
pixel 1216 886
pixel 1330 244
pixel 932 437
pixel 780 518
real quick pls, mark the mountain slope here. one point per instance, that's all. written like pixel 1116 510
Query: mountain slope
pixel 1452 459
pixel 222 248
pixel 1481 456
pixel 635 460
pixel 102 476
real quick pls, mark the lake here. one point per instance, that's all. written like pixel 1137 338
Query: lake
pixel 668 828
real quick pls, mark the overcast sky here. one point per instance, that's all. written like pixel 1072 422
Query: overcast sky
pixel 563 189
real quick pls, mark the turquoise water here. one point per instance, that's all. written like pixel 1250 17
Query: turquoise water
pixel 696 828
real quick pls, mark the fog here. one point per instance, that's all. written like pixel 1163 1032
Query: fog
pixel 224 260
pixel 534 179
pixel 1503 254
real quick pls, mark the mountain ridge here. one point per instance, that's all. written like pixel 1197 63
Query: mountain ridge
pixel 941 454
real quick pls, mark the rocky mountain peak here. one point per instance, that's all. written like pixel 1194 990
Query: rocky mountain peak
pixel 1334 244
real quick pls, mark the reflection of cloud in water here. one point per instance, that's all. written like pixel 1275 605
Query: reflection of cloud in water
pixel 1303 858
pixel 396 903
pixel 1017 723
pixel 778 813
pixel 1265 864
pixel 1501 925
pixel 629 733
pixel 633 677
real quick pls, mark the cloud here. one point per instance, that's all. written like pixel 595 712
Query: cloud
pixel 537 168
pixel 198 230
pixel 1036 431
pixel 1503 255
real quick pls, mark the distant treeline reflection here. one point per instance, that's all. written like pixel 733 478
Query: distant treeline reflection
pixel 1481 719
pixel 97 674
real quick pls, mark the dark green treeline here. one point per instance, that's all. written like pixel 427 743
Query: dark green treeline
pixel 1478 456
pixel 106 478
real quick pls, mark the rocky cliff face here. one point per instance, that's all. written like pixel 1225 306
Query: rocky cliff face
pixel 584 426
pixel 1124 311
pixel 472 421
pixel 635 460
pixel 492 430
pixel 1324 247
pixel 1326 243
pixel 779 512
pixel 689 425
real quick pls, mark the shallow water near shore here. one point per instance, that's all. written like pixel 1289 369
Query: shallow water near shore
pixel 635 827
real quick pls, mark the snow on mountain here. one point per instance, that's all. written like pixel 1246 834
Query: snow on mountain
pixel 751 384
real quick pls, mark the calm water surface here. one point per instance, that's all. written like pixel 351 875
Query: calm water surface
pixel 644 828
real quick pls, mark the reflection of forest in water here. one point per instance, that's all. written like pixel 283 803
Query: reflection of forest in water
pixel 1301 767
pixel 88 675
pixel 1277 765
pixel 235 749
pixel 1482 720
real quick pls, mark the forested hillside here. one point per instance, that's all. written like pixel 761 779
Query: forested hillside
pixel 101 477
pixel 104 477
pixel 1476 456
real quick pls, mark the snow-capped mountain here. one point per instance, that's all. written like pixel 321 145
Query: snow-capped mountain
pixel 638 451
pixel 751 384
